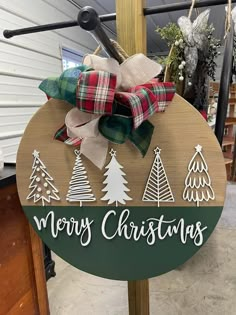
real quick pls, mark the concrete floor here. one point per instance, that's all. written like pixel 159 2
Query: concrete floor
pixel 205 285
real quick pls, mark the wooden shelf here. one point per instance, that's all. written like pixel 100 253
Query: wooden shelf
pixel 228 157
pixel 232 101
pixel 228 161
pixel 230 121
pixel 228 141
pixel 228 144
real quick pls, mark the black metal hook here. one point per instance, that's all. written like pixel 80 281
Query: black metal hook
pixel 88 19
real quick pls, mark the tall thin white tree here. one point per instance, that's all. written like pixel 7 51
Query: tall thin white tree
pixel 115 183
pixel 158 188
pixel 79 189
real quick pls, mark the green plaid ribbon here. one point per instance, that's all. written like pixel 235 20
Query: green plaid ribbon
pixel 64 87
pixel 118 129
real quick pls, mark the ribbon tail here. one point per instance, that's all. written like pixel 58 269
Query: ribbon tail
pixel 95 149
pixel 142 136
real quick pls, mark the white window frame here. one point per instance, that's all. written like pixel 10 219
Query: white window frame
pixel 71 58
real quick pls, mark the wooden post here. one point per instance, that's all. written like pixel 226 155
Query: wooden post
pixel 132 36
pixel 131 26
pixel 138 297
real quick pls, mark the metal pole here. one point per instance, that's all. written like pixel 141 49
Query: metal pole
pixel 52 26
pixel 225 80
pixel 108 17
pixel 183 6
pixel 40 28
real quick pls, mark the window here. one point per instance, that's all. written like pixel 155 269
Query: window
pixel 71 58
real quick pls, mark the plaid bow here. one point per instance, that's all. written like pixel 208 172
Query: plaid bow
pixel 123 114
pixel 94 92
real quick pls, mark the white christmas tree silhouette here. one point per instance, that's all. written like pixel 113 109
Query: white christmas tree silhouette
pixel 158 188
pixel 198 183
pixel 41 186
pixel 115 182
pixel 79 189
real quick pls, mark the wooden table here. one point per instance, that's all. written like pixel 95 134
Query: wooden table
pixel 23 284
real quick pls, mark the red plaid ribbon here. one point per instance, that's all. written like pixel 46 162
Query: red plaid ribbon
pixel 96 94
pixel 163 91
pixel 147 99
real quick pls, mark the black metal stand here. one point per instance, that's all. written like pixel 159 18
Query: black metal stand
pixel 49 264
pixel 88 19
pixel 112 16
pixel 225 80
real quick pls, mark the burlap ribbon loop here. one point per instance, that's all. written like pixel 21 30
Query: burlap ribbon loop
pixel 84 126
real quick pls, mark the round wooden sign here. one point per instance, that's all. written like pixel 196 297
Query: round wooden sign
pixel 137 217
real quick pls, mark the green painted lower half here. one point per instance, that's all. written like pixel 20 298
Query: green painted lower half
pixel 120 258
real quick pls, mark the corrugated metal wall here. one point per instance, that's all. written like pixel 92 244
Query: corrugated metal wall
pixel 26 60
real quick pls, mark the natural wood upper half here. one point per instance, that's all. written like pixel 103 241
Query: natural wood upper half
pixel 177 132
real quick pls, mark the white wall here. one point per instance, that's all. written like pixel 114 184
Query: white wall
pixel 28 59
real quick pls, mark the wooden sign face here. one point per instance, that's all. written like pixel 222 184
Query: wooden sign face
pixel 136 218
